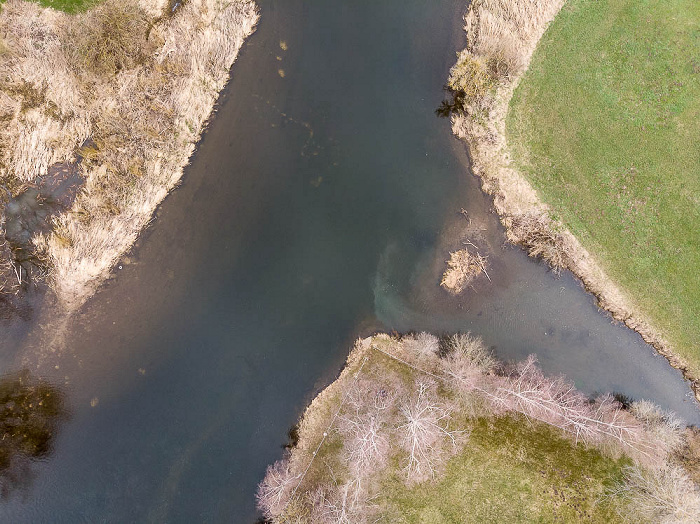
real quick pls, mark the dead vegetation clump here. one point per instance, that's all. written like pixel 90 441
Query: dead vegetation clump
pixel 402 408
pixel 139 84
pixel 462 269
pixel 664 494
pixel 541 237
pixel 109 38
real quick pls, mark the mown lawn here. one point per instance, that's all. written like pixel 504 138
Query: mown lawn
pixel 606 124
pixel 511 471
pixel 69 6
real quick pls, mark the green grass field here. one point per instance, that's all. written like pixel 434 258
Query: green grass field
pixel 511 471
pixel 605 124
pixel 69 6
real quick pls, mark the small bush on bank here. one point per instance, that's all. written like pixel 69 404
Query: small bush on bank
pixel 109 38
pixel 663 495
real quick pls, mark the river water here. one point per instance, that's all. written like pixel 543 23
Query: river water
pixel 320 206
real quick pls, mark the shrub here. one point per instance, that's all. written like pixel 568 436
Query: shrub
pixel 468 361
pixel 539 234
pixel 109 38
pixel 424 344
pixel 663 495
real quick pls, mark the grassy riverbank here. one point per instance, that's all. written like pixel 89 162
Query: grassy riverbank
pixel 120 93
pixel 605 125
pixel 69 6
pixel 418 429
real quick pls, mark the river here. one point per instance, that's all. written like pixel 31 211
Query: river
pixel 320 206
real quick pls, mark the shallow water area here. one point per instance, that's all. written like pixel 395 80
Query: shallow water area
pixel 320 206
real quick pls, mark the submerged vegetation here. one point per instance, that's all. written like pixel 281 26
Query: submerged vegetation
pixel 31 411
pixel 125 88
pixel 605 125
pixel 418 429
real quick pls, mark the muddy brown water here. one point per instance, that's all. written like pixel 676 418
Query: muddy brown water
pixel 319 207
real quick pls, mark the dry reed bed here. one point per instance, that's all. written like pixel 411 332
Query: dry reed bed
pixel 398 406
pixel 140 83
pixel 501 38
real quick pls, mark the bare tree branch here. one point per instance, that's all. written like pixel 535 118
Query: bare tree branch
pixel 274 491
pixel 425 433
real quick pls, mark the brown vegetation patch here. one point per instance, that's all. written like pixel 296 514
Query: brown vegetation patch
pixel 462 268
pixel 689 455
pixel 139 84
pixel 112 37
pixel 540 236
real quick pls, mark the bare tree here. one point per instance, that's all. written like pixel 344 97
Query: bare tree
pixel 425 434
pixel 364 426
pixel 365 442
pixel 423 344
pixel 468 361
pixel 556 402
pixel 666 427
pixel 275 489
pixel 341 504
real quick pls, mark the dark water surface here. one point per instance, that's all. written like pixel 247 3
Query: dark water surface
pixel 319 207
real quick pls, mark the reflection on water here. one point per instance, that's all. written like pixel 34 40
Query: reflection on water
pixel 456 103
pixel 31 411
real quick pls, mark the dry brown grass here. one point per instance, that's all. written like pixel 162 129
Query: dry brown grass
pixel 688 455
pixel 139 84
pixel 663 495
pixel 113 37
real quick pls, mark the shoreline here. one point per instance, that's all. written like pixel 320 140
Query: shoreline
pixel 349 451
pixel 133 126
pixel 524 215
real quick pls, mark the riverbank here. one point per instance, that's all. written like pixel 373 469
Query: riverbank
pixel 121 92
pixel 502 37
pixel 411 420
